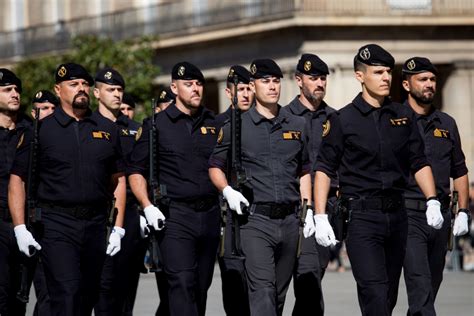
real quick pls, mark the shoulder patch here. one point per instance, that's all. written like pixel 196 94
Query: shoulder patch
pixel 220 137
pixel 326 128
pixel 20 141
pixel 139 134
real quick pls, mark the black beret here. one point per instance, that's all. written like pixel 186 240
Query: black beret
pixel 416 65
pixel 374 55
pixel 243 75
pixel 166 95
pixel 72 71
pixel 128 99
pixel 310 64
pixel 261 68
pixel 110 76
pixel 44 96
pixel 8 78
pixel 186 71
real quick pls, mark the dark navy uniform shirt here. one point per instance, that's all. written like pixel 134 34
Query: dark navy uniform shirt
pixel 443 150
pixel 128 129
pixel 274 155
pixel 374 149
pixel 184 146
pixel 10 140
pixel 316 122
pixel 76 159
pixel 223 117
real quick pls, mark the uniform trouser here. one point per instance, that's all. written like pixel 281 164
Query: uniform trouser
pixel 424 262
pixel 41 292
pixel 308 274
pixel 376 242
pixel 162 285
pixel 9 272
pixel 234 281
pixel 121 273
pixel 188 245
pixel 73 253
pixel 269 247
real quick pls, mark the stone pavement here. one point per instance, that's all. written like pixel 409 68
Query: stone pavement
pixel 456 296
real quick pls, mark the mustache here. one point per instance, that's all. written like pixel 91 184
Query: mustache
pixel 81 94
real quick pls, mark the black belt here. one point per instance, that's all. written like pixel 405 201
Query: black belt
pixel 420 205
pixel 273 210
pixel 384 203
pixel 199 205
pixel 84 211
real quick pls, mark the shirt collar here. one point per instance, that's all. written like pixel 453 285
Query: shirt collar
pixel 257 118
pixel 65 119
pixel 365 108
pixel 174 113
pixel 432 116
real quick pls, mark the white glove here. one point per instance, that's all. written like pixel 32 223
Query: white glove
pixel 433 214
pixel 114 240
pixel 324 234
pixel 25 240
pixel 144 230
pixel 234 198
pixel 154 217
pixel 309 227
pixel 460 224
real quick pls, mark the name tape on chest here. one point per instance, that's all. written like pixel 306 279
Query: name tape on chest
pixel 100 135
pixel 441 133
pixel 399 121
pixel 205 130
pixel 291 135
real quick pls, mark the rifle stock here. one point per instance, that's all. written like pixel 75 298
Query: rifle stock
pixel 304 211
pixel 453 209
pixel 155 192
pixel 31 213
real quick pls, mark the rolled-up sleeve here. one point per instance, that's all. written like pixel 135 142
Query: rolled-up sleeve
pixel 220 154
pixel 331 149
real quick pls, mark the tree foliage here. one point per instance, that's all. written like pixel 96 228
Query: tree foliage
pixel 132 58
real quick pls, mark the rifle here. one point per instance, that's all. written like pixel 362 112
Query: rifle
pixel 453 210
pixel 304 210
pixel 156 192
pixel 32 214
pixel 110 220
pixel 239 176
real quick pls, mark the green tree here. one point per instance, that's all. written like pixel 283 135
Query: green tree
pixel 133 58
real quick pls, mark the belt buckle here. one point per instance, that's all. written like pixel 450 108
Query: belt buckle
pixel 81 212
pixel 276 213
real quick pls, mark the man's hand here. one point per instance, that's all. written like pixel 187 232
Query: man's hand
pixel 234 198
pixel 324 233
pixel 309 227
pixel 114 240
pixel 25 240
pixel 460 224
pixel 154 217
pixel 433 214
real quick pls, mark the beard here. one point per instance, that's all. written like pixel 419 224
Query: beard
pixel 312 98
pixel 80 103
pixel 421 98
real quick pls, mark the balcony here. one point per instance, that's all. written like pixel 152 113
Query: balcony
pixel 180 18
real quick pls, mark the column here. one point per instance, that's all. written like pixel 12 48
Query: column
pixel 458 101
